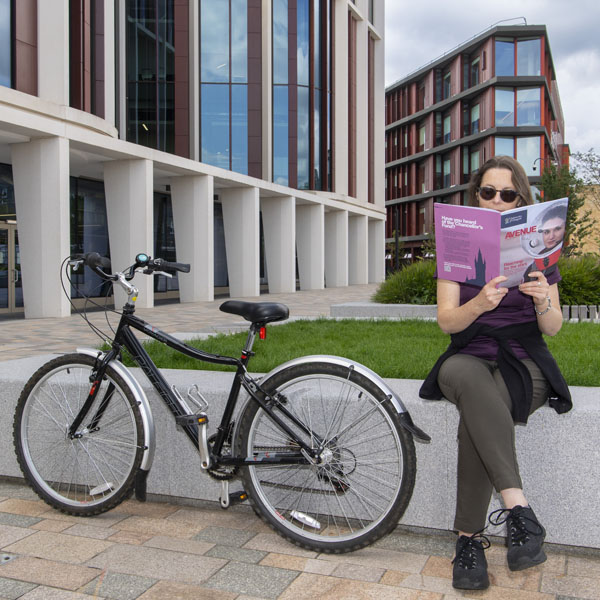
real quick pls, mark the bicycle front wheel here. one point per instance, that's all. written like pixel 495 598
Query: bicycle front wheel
pixel 94 470
pixel 365 478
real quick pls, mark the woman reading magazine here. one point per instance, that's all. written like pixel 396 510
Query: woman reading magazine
pixel 497 371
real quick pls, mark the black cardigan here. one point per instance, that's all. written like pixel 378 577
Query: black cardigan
pixel 514 372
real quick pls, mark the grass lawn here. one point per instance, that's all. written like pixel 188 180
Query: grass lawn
pixel 395 349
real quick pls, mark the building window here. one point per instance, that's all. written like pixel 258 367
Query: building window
pixel 447 85
pixel 475 119
pixel 446 171
pixel 470 70
pixel 475 71
pixel 505 107
pixel 151 73
pixel 5 43
pixel 529 57
pixel 474 160
pixel 421 178
pixel 224 84
pixel 528 149
pixel 504 146
pixel 164 240
pixel 505 57
pixel 528 106
pixel 447 129
pixel 421 138
pixel 371 11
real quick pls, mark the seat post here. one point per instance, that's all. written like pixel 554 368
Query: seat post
pixel 254 327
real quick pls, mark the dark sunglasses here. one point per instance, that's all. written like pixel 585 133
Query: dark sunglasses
pixel 489 193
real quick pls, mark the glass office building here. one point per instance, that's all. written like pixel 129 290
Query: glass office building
pixel 214 132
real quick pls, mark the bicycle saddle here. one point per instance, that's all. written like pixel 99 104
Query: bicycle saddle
pixel 256 312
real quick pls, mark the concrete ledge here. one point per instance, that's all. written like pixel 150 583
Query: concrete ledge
pixel 559 454
pixel 373 310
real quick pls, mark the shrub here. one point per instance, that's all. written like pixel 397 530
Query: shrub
pixel 580 280
pixel 413 284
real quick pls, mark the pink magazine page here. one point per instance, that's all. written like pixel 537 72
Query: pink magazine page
pixel 467 243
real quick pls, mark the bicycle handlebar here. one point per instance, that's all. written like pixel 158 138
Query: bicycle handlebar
pixel 100 264
pixel 159 264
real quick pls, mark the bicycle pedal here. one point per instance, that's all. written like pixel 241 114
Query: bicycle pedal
pixel 234 498
pixel 199 419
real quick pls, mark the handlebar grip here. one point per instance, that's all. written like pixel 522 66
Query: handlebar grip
pixel 165 265
pixel 93 260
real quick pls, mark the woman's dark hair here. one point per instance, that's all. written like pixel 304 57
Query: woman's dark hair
pixel 519 179
pixel 556 212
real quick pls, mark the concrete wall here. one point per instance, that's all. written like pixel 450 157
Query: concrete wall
pixel 559 454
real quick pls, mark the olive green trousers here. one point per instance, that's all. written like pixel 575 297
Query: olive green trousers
pixel 487 456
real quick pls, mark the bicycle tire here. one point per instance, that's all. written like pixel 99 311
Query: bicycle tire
pixel 92 473
pixel 366 481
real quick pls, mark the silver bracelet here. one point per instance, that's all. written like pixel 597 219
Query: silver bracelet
pixel 545 310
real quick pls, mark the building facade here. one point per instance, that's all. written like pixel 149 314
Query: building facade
pixel 244 137
pixel 495 94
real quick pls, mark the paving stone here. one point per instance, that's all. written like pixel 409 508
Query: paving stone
pixel 171 590
pixel 48 572
pixel 17 490
pixel 158 510
pixel 435 544
pixel 358 572
pixel 568 585
pixel 254 580
pixel 18 520
pixel 51 525
pixel 136 538
pixel 234 519
pixel 48 593
pixel 298 563
pixel 237 554
pixel 157 564
pixel 271 542
pixel 118 586
pixel 19 506
pixel 225 536
pixel 309 586
pixel 10 535
pixel 107 519
pixel 156 526
pixel 584 566
pixel 11 589
pixel 89 531
pixel 380 558
pixel 58 546
pixel 179 545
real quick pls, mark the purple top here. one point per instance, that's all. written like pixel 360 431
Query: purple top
pixel 514 308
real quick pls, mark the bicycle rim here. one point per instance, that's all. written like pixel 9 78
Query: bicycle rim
pixel 359 491
pixel 94 471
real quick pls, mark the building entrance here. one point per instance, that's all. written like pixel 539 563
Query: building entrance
pixel 11 290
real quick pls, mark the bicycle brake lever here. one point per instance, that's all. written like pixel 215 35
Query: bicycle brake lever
pixel 151 272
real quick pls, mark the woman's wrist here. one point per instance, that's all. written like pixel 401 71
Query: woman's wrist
pixel 545 310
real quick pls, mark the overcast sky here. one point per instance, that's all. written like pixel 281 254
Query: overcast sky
pixel 418 31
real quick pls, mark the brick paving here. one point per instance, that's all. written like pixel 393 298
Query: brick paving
pixel 160 551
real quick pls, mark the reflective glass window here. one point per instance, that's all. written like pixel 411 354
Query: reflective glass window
pixel 446 172
pixel 505 108
pixel 474 160
pixel 280 41
pixel 421 138
pixel 239 41
pixel 447 129
pixel 528 149
pixel 446 89
pixel 280 135
pixel 303 40
pixel 5 43
pixel 475 71
pixel 164 240
pixel 528 106
pixel 215 124
pixel 317 138
pixel 214 41
pixel 475 119
pixel 7 194
pixel 239 128
pixel 303 139
pixel 505 146
pixel 529 57
pixel 505 57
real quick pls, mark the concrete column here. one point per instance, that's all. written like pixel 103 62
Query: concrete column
pixel 358 267
pixel 53 51
pixel 376 250
pixel 336 248
pixel 193 208
pixel 129 207
pixel 241 224
pixel 279 230
pixel 310 231
pixel 41 180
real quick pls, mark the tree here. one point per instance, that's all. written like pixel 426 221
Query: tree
pixel 558 182
pixel 587 165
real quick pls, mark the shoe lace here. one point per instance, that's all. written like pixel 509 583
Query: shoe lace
pixel 467 555
pixel 519 525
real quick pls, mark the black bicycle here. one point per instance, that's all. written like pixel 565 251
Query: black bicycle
pixel 323 447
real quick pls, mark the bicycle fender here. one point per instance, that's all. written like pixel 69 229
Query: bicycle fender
pixel 140 396
pixel 405 418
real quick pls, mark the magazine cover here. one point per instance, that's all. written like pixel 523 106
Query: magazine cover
pixel 474 245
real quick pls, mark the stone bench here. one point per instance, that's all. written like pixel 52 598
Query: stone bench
pixel 559 454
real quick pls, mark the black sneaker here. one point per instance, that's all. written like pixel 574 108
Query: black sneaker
pixel 525 536
pixel 470 566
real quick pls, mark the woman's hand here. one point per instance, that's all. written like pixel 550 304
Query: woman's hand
pixel 544 296
pixel 452 317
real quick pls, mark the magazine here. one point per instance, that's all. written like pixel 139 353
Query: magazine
pixel 474 245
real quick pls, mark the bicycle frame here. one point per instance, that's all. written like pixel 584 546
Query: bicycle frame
pixel 125 338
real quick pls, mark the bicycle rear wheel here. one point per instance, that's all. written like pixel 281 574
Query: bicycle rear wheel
pixel 366 477
pixel 94 471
